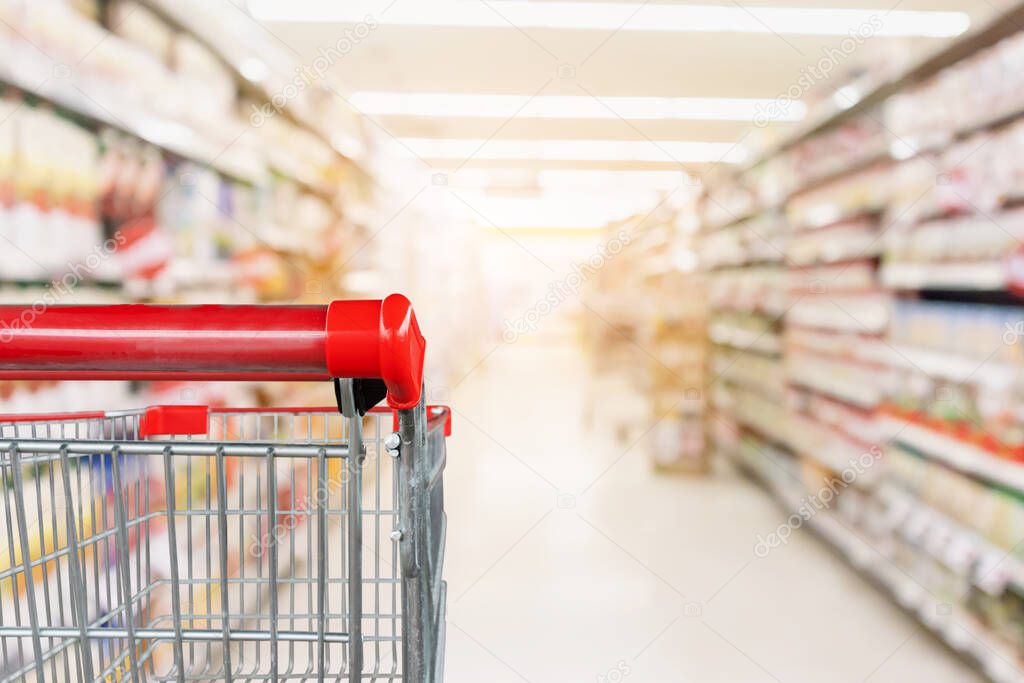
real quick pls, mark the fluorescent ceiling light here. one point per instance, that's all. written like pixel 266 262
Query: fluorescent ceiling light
pixel 562 210
pixel 599 180
pixel 570 107
pixel 576 150
pixel 615 16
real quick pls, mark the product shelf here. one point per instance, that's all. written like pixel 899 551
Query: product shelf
pixel 961 549
pixel 813 375
pixel 952 625
pixel 831 448
pixel 767 343
pixel 246 163
pixel 901 240
pixel 179 16
pixel 953 368
pixel 1005 23
pixel 903 149
pixel 983 276
pixel 960 455
pixel 756 414
pixel 171 136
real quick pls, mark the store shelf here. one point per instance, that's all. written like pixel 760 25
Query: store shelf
pixel 957 630
pixel 742 217
pixel 171 136
pixel 1005 23
pixel 902 150
pixel 181 19
pixel 245 163
pixel 860 306
pixel 868 314
pixel 946 366
pixel 834 450
pixel 760 374
pixel 859 394
pixel 878 155
pixel 959 455
pixel 767 343
pixel 960 549
pixel 773 431
pixel 964 276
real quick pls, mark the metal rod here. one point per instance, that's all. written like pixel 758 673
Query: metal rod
pixel 122 560
pixel 176 448
pixel 411 430
pixel 189 634
pixel 75 569
pixel 272 559
pixel 321 564
pixel 172 547
pixel 222 537
pixel 30 590
pixel 439 631
pixel 355 546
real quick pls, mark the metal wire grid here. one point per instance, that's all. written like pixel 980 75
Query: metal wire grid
pixel 85 517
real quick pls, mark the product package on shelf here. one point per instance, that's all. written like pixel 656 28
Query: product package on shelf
pixel 959 380
pixel 49 186
pixel 837 308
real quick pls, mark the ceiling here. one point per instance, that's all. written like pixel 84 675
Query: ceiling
pixel 594 63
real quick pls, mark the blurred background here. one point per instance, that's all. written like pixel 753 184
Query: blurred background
pixel 726 298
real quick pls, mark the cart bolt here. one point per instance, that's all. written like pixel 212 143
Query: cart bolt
pixel 392 441
pixel 396 535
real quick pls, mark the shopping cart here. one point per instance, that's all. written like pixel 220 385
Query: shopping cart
pixel 183 543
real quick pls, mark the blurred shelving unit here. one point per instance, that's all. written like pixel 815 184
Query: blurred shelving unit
pixel 133 166
pixel 649 301
pixel 864 278
pixel 179 152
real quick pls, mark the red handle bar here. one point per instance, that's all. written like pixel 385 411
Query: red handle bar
pixel 360 339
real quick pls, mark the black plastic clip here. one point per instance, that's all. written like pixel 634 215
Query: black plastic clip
pixel 358 395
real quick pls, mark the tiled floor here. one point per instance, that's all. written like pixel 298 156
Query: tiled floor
pixel 569 560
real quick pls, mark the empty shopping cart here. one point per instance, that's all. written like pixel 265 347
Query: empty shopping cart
pixel 187 543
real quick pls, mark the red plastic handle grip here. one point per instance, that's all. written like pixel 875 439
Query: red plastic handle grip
pixel 368 339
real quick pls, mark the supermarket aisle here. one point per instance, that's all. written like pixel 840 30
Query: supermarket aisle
pixel 569 560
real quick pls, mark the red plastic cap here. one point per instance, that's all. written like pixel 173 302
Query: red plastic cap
pixel 174 421
pixel 368 339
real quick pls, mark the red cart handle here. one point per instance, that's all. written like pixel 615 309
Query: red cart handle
pixel 358 339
